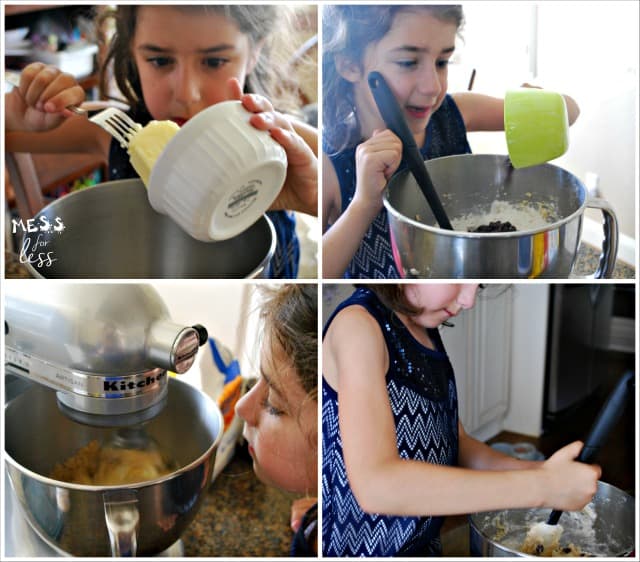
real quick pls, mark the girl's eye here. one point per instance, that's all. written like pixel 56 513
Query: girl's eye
pixel 159 62
pixel 215 62
pixel 443 63
pixel 270 408
pixel 407 63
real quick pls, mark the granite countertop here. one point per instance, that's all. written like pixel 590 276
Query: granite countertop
pixel 240 516
pixel 586 264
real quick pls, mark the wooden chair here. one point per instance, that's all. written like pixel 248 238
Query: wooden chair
pixel 33 176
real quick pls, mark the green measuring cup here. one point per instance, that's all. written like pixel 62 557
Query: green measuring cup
pixel 536 126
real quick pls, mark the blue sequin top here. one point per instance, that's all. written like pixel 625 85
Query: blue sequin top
pixel 423 397
pixel 446 135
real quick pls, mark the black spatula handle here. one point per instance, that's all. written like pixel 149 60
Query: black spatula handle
pixel 607 417
pixel 395 121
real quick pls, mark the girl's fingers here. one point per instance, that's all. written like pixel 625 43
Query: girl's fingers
pixel 297 150
pixel 60 95
pixel 267 120
pixel 48 89
pixel 234 90
pixel 256 103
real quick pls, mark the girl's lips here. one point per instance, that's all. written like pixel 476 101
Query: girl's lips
pixel 450 314
pixel 418 112
pixel 179 121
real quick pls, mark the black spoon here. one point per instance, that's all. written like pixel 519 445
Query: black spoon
pixel 546 536
pixel 607 418
pixel 392 116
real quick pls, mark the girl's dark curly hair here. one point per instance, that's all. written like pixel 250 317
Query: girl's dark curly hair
pixel 346 32
pixel 255 21
pixel 290 315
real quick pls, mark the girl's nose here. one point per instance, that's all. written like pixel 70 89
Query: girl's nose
pixel 187 86
pixel 467 295
pixel 247 406
pixel 429 81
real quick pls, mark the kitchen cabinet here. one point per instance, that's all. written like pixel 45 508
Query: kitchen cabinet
pixel 479 346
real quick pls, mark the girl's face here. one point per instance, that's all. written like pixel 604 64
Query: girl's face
pixel 185 58
pixel 439 302
pixel 413 57
pixel 281 425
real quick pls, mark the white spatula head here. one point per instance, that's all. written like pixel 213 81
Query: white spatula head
pixel 542 539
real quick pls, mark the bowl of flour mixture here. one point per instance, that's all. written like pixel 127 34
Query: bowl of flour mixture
pixel 508 223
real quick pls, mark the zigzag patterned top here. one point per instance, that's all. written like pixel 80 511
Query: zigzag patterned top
pixel 446 135
pixel 423 397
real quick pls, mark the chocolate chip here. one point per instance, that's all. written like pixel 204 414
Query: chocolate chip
pixel 495 226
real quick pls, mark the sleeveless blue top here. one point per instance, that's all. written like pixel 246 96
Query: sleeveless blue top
pixel 423 397
pixel 284 263
pixel 446 135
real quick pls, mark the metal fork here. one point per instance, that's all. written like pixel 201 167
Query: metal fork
pixel 118 124
pixel 113 120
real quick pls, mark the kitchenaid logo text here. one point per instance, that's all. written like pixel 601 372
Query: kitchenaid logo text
pixel 36 251
pixel 122 386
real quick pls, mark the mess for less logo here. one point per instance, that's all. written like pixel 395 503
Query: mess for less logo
pixel 35 251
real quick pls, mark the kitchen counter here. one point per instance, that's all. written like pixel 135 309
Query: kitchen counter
pixel 240 516
pixel 586 264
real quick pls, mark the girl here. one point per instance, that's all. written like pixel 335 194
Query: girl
pixel 395 457
pixel 411 47
pixel 280 411
pixel 171 62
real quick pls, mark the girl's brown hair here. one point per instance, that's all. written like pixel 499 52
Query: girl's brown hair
pixel 346 32
pixel 394 298
pixel 290 315
pixel 255 21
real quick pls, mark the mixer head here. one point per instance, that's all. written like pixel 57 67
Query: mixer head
pixel 105 348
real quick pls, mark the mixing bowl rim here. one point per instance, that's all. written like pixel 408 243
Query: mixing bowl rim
pixel 135 485
pixel 480 235
pixel 473 526
pixel 267 258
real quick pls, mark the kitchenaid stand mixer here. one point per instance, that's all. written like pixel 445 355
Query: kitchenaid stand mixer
pixel 105 349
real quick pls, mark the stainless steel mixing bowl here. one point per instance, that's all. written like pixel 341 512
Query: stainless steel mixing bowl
pixel 82 520
pixel 111 231
pixel 470 183
pixel 500 533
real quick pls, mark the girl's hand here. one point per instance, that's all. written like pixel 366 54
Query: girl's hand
pixel 40 102
pixel 571 484
pixel 376 160
pixel 300 189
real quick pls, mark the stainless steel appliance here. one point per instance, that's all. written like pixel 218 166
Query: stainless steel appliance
pixel 111 231
pixel 99 356
pixel 585 330
pixel 469 184
pixel 104 348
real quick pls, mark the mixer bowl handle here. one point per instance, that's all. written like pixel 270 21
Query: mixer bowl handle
pixel 610 243
pixel 122 518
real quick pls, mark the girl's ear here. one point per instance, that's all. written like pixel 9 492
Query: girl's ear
pixel 348 69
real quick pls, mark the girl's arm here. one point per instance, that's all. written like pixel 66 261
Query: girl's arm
pixel 486 113
pixel 356 364
pixel 76 134
pixel 341 241
pixel 376 160
pixel 480 456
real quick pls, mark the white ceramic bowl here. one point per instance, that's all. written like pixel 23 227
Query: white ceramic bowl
pixel 218 174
